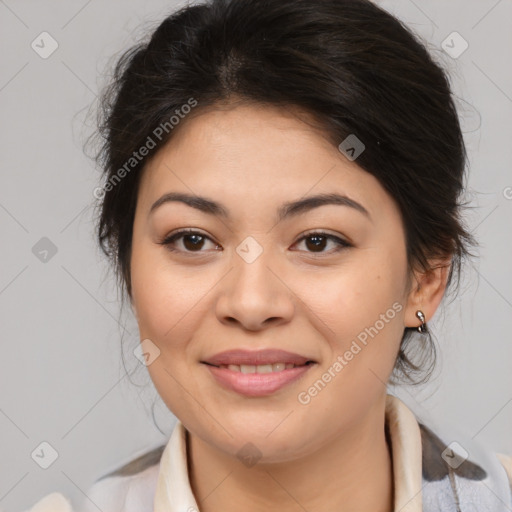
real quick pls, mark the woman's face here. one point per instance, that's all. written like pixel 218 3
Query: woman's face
pixel 250 280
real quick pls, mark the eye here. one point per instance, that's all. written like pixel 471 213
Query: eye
pixel 318 241
pixel 193 241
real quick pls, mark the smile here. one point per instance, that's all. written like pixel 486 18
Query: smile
pixel 257 380
pixel 261 368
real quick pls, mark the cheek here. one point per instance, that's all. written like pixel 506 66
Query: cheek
pixel 165 298
pixel 363 308
pixel 354 299
pixel 169 307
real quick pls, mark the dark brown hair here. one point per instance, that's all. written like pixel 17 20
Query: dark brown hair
pixel 348 63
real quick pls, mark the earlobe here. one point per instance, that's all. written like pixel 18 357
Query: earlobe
pixel 426 294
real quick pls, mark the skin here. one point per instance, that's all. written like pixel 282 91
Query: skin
pixel 313 302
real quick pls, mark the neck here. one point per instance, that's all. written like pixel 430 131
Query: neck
pixel 352 472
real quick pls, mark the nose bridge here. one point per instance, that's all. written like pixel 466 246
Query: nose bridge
pixel 253 293
pixel 252 262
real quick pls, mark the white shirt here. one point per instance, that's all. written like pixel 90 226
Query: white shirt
pixel 165 486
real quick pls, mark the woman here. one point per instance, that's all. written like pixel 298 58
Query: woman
pixel 281 205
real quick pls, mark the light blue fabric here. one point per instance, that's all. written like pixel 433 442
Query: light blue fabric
pixel 467 488
pixel 472 495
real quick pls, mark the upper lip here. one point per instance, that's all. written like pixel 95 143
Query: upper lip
pixel 256 357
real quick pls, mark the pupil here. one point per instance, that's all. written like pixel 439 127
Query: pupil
pixel 194 245
pixel 320 241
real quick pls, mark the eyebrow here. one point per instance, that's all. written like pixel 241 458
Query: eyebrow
pixel 287 210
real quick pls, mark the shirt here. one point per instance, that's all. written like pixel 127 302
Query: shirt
pixel 428 476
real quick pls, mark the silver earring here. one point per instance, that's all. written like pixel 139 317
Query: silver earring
pixel 423 327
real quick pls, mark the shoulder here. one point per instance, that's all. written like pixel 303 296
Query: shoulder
pixel 131 487
pixel 451 476
pixel 506 461
pixel 138 464
pixel 54 502
pixel 438 459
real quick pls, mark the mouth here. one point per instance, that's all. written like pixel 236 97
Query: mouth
pixel 260 368
pixel 257 373
pixel 258 358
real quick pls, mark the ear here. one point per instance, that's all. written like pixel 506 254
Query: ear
pixel 427 290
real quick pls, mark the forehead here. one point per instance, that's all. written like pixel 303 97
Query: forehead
pixel 255 155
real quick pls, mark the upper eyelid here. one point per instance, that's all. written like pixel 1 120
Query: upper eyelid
pixel 195 231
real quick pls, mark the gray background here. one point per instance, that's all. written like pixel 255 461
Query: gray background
pixel 62 378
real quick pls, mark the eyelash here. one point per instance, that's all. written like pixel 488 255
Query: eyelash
pixel 171 239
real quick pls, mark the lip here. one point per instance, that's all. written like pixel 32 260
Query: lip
pixel 256 384
pixel 256 357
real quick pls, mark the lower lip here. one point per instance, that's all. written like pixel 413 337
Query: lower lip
pixel 257 384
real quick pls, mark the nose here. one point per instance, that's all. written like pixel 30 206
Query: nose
pixel 255 295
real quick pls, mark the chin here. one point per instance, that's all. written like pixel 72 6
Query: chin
pixel 256 445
